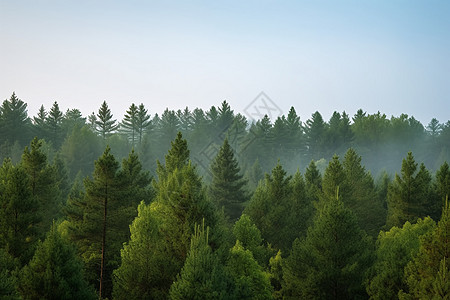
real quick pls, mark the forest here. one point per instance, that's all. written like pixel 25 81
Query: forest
pixel 208 204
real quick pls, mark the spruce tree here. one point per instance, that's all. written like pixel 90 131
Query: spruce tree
pixel 129 124
pixel 331 261
pixel 53 122
pixel 425 274
pixel 394 249
pixel 228 186
pixel 202 276
pixel 143 122
pixel 14 121
pixel 18 213
pixel 105 125
pixel 55 272
pixel 408 195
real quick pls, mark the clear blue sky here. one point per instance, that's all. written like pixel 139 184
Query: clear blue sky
pixel 391 56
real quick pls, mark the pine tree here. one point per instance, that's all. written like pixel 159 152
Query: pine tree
pixel 330 263
pixel 202 276
pixel 424 274
pixel 143 122
pixel 315 129
pixel 14 121
pixel 53 122
pixel 18 217
pixel 362 198
pixel 250 281
pixel 129 124
pixel 40 123
pixel 55 272
pixel 394 249
pixel 43 184
pixel 146 269
pixel 408 195
pixel 227 187
pixel 443 181
pixel 105 125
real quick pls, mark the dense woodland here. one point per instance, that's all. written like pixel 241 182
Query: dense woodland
pixel 209 205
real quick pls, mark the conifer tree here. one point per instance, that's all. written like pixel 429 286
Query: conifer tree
pixel 250 281
pixel 146 270
pixel 331 261
pixel 143 122
pixel 227 187
pixel 425 274
pixel 53 122
pixel 202 276
pixel 408 195
pixel 14 121
pixel 42 184
pixel 129 124
pixel 105 125
pixel 55 272
pixel 394 249
pixel 40 123
pixel 18 213
pixel 443 181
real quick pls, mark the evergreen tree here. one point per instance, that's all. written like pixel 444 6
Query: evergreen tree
pixel 227 187
pixel 202 276
pixel 53 123
pixel 8 280
pixel 14 121
pixel 315 129
pixel 443 181
pixel 270 207
pixel 330 263
pixel 143 122
pixel 427 274
pixel 40 123
pixel 408 195
pixel 313 182
pixel 43 184
pixel 362 198
pixel 105 125
pixel 146 269
pixel 55 272
pixel 250 281
pixel 250 238
pixel 72 118
pixel 18 217
pixel 394 249
pixel 129 124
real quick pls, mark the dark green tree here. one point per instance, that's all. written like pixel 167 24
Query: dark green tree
pixel 14 121
pixel 202 276
pixel 53 122
pixel 18 213
pixel 228 186
pixel 315 129
pixel 129 124
pixel 55 272
pixel 443 182
pixel 143 122
pixel 409 194
pixel 331 262
pixel 105 125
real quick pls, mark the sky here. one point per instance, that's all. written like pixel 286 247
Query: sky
pixel 388 56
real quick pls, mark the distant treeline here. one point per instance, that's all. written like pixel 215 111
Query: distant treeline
pixel 381 141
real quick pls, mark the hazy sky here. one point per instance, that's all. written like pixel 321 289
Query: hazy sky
pixel 391 56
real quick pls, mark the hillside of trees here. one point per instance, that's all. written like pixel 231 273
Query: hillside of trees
pixel 208 205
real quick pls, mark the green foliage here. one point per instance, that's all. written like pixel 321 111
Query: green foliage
pixel 409 194
pixel 147 267
pixel 426 273
pixel 55 272
pixel 18 213
pixel 394 249
pixel 228 186
pixel 202 276
pixel 105 125
pixel 14 121
pixel 250 281
pixel 330 263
